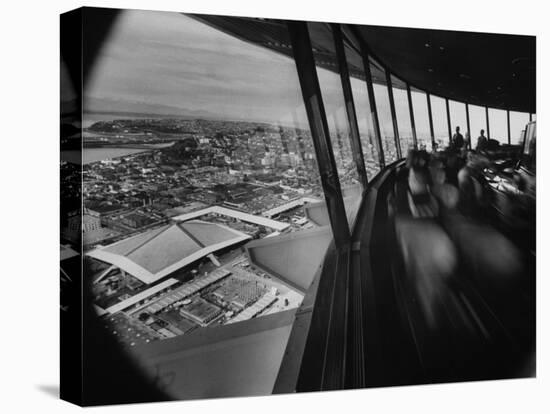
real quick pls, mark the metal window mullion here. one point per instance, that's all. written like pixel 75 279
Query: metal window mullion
pixel 393 114
pixel 508 126
pixel 468 125
pixel 430 119
pixel 355 140
pixel 411 114
pixel 487 121
pixel 449 129
pixel 311 93
pixel 372 104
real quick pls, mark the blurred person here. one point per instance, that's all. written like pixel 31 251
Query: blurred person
pixel 430 260
pixel 446 194
pixel 452 166
pixel 482 142
pixel 419 181
pixel 421 201
pixel 470 179
pixel 448 197
pixel 423 158
pixel 493 259
pixel 411 160
pixel 437 171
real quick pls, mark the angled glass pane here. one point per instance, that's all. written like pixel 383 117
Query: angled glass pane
pixel 498 126
pixel 365 123
pixel 199 139
pixel 421 119
pixel 401 102
pixel 384 112
pixel 198 144
pixel 439 117
pixel 518 122
pixel 335 109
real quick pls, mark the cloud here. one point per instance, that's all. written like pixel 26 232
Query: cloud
pixel 171 59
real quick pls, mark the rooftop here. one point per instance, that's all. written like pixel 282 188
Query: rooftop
pixel 154 254
pixel 250 218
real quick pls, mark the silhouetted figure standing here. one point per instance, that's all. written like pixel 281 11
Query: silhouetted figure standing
pixel 482 142
pixel 458 140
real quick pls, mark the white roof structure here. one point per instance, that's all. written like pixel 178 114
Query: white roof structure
pixel 256 308
pixel 186 290
pixel 138 297
pixel 288 206
pixel 250 218
pixel 157 253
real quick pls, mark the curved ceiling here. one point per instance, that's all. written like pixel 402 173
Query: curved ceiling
pixel 496 70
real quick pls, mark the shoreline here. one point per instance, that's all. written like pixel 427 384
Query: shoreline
pixel 87 156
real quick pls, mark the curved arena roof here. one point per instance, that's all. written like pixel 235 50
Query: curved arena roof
pixel 152 255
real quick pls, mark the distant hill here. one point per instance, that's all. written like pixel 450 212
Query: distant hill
pixel 125 109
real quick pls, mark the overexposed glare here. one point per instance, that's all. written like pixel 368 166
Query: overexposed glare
pixel 477 121
pixel 498 127
pixel 439 117
pixel 518 120
pixel 458 117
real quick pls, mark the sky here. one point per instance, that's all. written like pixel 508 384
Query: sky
pixel 169 59
pixel 167 62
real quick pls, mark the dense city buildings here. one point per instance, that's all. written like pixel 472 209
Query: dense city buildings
pixel 153 187
pixel 168 208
